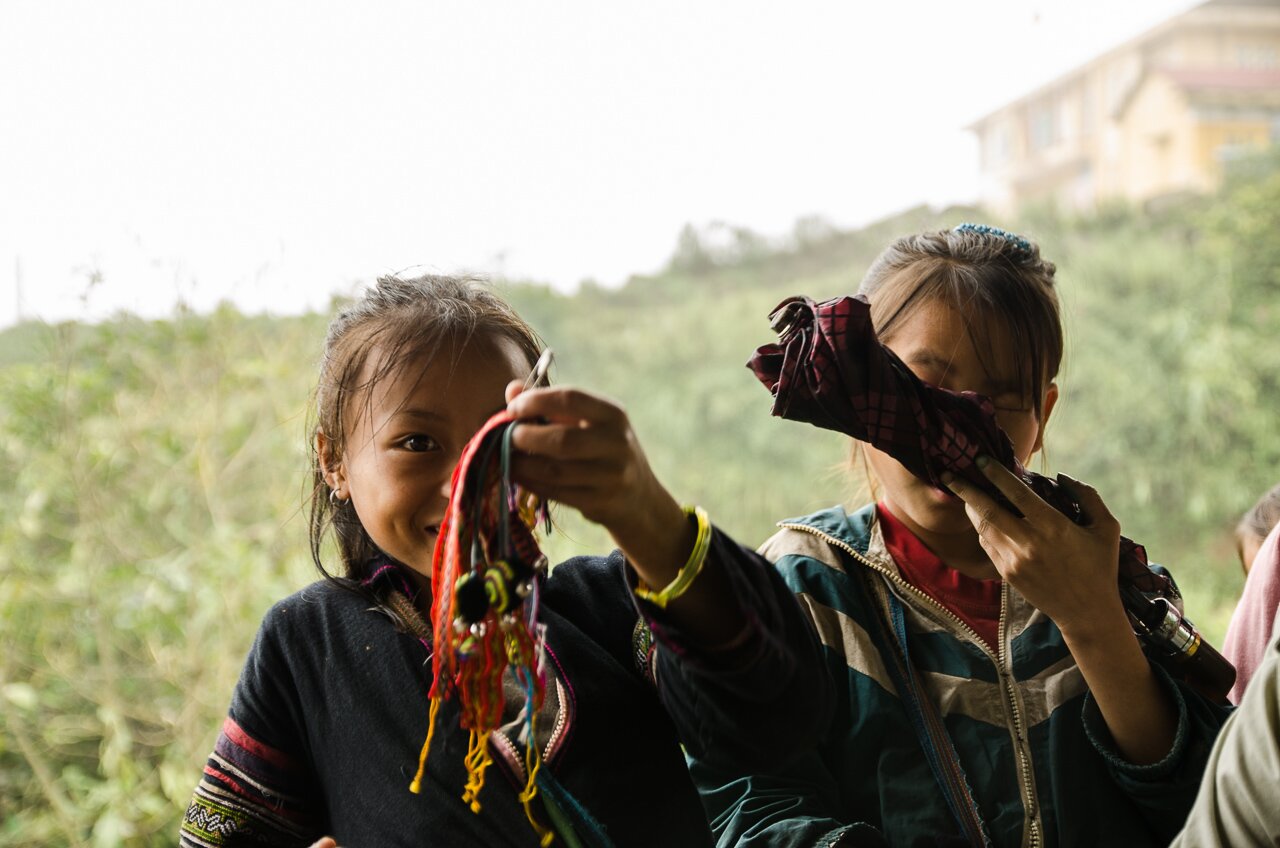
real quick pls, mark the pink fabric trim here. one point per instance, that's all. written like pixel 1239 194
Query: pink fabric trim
pixel 1253 623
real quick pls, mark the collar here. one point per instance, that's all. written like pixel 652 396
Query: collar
pixel 860 530
pixel 855 530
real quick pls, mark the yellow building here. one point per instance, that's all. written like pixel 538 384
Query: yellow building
pixel 1156 116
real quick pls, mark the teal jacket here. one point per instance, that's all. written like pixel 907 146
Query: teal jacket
pixel 1038 757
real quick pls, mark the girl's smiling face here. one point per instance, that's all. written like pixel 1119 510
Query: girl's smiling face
pixel 935 343
pixel 406 435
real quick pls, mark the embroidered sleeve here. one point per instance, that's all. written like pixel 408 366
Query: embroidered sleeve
pixel 250 794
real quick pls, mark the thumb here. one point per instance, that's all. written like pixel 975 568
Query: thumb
pixel 1091 503
pixel 514 388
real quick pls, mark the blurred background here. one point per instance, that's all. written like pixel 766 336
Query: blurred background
pixel 188 190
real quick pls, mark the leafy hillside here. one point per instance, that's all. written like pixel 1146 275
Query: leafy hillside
pixel 155 471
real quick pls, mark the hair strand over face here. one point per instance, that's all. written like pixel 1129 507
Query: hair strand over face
pixel 1002 288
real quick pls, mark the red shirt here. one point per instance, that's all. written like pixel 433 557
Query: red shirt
pixel 975 602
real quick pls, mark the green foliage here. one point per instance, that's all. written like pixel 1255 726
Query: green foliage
pixel 155 473
pixel 153 476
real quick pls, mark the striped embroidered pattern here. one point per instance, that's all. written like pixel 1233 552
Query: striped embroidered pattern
pixel 248 795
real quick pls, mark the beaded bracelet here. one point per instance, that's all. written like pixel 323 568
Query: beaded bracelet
pixel 692 568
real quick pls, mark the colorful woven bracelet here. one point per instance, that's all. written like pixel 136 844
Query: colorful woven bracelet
pixel 692 568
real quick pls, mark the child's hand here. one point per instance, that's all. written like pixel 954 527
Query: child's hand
pixel 579 449
pixel 1067 571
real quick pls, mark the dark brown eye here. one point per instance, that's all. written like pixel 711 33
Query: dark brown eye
pixel 419 443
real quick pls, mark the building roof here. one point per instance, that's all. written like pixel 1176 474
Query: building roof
pixel 1218 4
pixel 1224 79
pixel 1204 83
pixel 1132 44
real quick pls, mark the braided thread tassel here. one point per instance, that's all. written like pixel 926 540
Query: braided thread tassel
pixel 486 573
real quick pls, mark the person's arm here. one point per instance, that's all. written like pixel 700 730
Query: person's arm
pixel 1152 733
pixel 579 449
pixel 757 700
pixel 256 788
pixel 793 799
pixel 739 668
pixel 1236 804
pixel 1068 572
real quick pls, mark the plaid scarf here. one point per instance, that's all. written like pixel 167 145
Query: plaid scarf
pixel 829 369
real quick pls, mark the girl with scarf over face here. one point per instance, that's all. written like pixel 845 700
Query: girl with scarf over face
pixel 327 723
pixel 990 688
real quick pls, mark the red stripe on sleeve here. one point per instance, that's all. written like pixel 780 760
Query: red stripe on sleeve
pixel 276 757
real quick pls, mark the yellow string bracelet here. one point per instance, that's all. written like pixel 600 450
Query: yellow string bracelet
pixel 692 568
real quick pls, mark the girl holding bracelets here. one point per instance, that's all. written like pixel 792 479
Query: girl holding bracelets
pixel 679 637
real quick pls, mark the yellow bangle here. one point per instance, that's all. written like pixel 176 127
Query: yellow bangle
pixel 692 568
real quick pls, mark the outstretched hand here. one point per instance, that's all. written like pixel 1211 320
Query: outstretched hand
pixel 1066 570
pixel 578 448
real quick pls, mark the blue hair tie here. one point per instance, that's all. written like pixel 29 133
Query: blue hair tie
pixel 986 230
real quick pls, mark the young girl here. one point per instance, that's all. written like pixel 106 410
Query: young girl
pixel 994 691
pixel 330 713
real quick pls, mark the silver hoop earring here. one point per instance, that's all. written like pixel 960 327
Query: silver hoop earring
pixel 335 501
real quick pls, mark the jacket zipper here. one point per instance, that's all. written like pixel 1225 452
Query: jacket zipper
pixel 511 753
pixel 1029 800
pixel 1006 675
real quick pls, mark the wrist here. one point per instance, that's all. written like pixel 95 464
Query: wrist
pixel 657 539
pixel 638 509
pixel 1101 626
pixel 689 571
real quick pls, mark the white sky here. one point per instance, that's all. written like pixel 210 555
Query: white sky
pixel 274 152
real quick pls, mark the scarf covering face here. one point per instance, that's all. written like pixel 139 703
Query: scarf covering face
pixel 828 369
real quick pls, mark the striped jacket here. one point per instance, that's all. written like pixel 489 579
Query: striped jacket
pixel 1037 754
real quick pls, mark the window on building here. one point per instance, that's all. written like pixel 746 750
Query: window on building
pixel 1236 145
pixel 1044 124
pixel 1256 56
pixel 996 148
pixel 1068 109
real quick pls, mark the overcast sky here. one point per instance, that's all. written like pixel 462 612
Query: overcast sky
pixel 271 153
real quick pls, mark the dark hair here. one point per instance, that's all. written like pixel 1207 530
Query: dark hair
pixel 399 321
pixel 1259 519
pixel 988 276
